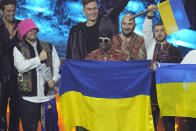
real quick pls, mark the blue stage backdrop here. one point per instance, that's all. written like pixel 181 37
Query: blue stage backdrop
pixel 56 17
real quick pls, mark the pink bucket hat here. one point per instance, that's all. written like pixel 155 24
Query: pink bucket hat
pixel 25 26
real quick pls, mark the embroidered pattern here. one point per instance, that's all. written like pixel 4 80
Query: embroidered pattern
pixel 26 84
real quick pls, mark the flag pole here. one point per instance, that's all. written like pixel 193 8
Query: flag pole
pixel 141 13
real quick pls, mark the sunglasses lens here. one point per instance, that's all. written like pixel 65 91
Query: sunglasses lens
pixel 106 41
pixel 100 40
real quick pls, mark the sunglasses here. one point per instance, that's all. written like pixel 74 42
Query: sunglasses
pixel 104 39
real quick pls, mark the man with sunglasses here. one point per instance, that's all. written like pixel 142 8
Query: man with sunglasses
pixel 130 42
pixel 83 38
pixel 106 52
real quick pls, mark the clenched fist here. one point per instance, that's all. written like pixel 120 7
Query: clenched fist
pixel 51 83
pixel 43 55
pixel 151 9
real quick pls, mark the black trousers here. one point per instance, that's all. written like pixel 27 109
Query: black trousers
pixel 31 115
pixel 169 123
pixel 192 124
pixel 9 91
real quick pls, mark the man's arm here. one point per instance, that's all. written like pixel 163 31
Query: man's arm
pixel 55 65
pixel 147 32
pixel 117 9
pixel 23 65
pixel 89 57
pixel 142 53
pixel 149 40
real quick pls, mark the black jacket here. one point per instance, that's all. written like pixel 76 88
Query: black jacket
pixel 76 46
pixel 1 49
pixel 7 62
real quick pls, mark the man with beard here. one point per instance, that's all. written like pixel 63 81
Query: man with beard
pixel 38 64
pixel 84 37
pixel 159 50
pixel 8 73
pixel 130 42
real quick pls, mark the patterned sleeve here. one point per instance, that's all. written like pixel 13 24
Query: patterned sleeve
pixel 142 53
pixel 124 56
pixel 115 43
pixel 88 57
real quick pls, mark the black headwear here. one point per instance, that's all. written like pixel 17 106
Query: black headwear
pixel 106 27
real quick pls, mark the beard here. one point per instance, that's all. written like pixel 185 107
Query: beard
pixel 127 34
pixel 160 40
pixel 9 19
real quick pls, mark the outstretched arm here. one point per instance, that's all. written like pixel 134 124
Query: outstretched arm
pixel 117 9
pixel 147 27
pixel 24 65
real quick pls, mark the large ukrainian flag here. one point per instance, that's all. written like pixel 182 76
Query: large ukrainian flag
pixel 176 89
pixel 106 95
pixel 173 15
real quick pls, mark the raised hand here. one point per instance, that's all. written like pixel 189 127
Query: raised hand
pixel 151 9
pixel 43 55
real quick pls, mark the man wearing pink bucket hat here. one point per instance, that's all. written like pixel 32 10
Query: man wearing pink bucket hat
pixel 37 63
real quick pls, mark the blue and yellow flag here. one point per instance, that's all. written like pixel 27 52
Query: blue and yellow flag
pixel 106 95
pixel 176 89
pixel 173 15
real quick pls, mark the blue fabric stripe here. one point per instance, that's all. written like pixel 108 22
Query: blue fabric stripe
pixel 175 73
pixel 179 14
pixel 106 79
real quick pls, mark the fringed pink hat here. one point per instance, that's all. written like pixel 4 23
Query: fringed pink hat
pixel 25 26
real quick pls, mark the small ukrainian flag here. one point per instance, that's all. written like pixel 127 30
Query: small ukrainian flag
pixel 176 87
pixel 173 16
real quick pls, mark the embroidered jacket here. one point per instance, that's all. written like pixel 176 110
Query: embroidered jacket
pixel 135 48
pixel 28 86
pixel 110 55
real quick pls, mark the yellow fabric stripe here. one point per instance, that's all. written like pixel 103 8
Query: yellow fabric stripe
pixel 99 114
pixel 177 99
pixel 167 17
